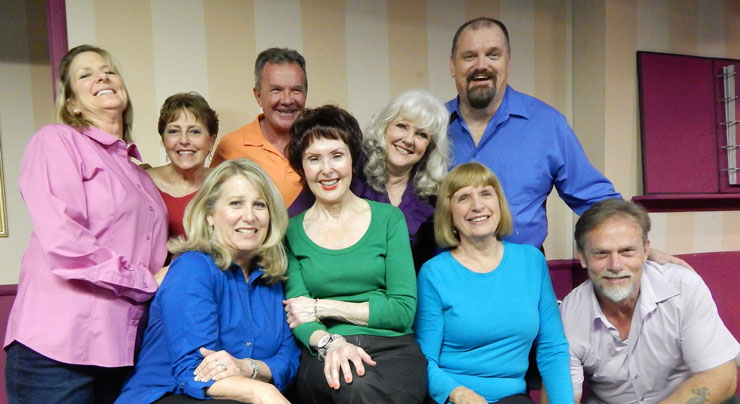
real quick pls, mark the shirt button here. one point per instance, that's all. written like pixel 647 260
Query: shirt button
pixel 138 186
pixel 147 237
pixel 151 209
pixel 642 398
pixel 249 344
pixel 635 377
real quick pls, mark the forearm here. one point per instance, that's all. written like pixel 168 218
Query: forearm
pixel 353 313
pixel 711 386
pixel 241 389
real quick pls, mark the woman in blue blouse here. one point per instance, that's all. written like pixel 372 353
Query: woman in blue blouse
pixel 486 301
pixel 216 325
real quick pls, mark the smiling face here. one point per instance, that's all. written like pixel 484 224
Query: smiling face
pixel 282 96
pixel 480 66
pixel 475 212
pixel 96 87
pixel 327 166
pixel 240 218
pixel 405 144
pixel 613 254
pixel 187 141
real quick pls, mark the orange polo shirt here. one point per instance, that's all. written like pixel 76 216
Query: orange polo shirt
pixel 248 141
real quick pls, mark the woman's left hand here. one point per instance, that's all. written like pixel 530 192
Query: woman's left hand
pixel 217 365
pixel 662 258
pixel 338 357
pixel 300 310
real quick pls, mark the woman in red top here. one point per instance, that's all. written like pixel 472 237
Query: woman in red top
pixel 188 127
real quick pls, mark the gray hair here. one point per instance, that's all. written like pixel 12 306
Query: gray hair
pixel 278 56
pixel 428 113
pixel 606 209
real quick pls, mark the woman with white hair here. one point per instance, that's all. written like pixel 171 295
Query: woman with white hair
pixel 406 153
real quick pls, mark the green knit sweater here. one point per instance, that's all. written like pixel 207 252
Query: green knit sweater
pixel 377 269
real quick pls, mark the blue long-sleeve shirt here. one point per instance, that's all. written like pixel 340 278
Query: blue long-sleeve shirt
pixel 531 148
pixel 199 305
pixel 476 329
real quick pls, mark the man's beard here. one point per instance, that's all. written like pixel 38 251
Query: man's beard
pixel 616 293
pixel 480 97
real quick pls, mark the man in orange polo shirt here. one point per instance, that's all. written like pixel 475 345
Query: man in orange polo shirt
pixel 280 87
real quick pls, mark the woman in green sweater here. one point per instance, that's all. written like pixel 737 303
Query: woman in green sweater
pixel 351 282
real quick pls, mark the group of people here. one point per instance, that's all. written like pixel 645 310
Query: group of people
pixel 314 261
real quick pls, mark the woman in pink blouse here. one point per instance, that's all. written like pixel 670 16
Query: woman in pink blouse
pixel 99 234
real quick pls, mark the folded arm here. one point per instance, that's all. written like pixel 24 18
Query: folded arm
pixel 55 182
pixel 710 386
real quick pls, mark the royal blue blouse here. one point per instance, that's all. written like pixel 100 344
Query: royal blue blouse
pixel 199 305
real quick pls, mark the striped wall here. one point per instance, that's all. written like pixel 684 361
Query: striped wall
pixel 25 105
pixel 577 55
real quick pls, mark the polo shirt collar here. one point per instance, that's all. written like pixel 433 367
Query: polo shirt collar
pixel 250 138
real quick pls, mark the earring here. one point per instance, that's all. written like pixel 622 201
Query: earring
pixel 212 234
pixel 76 111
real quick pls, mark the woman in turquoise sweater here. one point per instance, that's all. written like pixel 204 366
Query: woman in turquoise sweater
pixel 483 304
pixel 351 282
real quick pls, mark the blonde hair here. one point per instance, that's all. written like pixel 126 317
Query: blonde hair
pixel 270 255
pixel 65 94
pixel 465 175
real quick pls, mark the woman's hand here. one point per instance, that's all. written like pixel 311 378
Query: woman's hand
pixel 159 276
pixel 300 310
pixel 338 356
pixel 217 365
pixel 662 258
pixel 463 395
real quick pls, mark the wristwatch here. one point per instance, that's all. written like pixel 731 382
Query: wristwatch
pixel 324 342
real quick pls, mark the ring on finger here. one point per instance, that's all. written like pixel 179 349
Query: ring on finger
pixel 221 365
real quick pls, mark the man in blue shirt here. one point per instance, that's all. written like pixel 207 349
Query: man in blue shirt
pixel 527 143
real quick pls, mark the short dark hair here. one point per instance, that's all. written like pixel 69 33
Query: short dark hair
pixel 193 103
pixel 326 122
pixel 476 24
pixel 606 209
pixel 278 56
